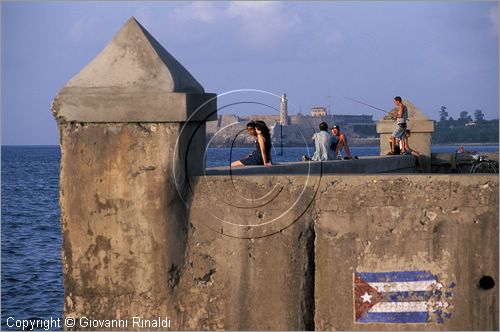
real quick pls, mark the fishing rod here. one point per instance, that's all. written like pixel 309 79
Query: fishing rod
pixel 360 102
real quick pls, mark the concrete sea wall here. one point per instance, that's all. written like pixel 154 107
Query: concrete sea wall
pixel 148 235
pixel 278 252
pixel 443 224
pixel 300 276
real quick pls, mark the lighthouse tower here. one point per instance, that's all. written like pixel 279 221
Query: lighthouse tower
pixel 283 111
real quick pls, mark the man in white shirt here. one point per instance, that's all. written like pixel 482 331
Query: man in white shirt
pixel 323 141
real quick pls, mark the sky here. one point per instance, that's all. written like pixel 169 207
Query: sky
pixel 431 53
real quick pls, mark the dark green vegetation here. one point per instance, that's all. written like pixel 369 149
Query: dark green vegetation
pixel 465 129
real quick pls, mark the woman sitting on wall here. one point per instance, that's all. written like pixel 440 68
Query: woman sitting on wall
pixel 262 153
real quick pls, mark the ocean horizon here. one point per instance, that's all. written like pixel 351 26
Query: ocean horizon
pixel 32 279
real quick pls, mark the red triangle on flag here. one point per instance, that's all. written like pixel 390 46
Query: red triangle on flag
pixel 365 296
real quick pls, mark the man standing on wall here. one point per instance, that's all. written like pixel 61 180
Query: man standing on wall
pixel 400 115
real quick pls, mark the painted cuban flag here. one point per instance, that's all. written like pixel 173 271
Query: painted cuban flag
pixel 395 297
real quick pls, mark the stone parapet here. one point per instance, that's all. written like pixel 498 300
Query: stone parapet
pixel 112 105
pixel 363 165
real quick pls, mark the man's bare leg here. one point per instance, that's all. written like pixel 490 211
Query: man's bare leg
pixel 346 148
pixel 393 144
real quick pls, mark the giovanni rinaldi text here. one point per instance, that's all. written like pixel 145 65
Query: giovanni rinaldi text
pixel 88 322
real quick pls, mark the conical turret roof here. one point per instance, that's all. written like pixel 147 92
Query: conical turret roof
pixel 135 59
pixel 134 79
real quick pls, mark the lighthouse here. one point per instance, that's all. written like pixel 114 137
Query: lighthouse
pixel 283 111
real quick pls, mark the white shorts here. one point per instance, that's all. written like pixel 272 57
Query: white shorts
pixel 399 132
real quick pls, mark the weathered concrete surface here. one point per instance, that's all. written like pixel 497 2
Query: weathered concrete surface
pixel 447 225
pixel 249 263
pixel 363 165
pixel 421 130
pixel 274 252
pixel 124 225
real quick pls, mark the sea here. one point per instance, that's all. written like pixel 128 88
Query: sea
pixel 32 281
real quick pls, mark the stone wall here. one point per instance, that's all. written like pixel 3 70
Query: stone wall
pixel 270 264
pixel 443 224
pixel 124 233
pixel 236 276
pixel 267 252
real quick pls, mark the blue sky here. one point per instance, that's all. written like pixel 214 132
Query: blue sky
pixel 433 53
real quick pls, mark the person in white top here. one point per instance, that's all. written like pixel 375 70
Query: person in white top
pixel 322 142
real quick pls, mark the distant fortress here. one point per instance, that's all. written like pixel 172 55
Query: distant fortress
pixel 291 130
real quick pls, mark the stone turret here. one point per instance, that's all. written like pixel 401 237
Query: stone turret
pixel 421 130
pixel 134 79
pixel 132 127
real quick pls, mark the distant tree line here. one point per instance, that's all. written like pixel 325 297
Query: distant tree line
pixel 465 129
pixel 463 118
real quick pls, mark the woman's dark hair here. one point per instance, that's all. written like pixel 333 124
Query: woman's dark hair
pixel 251 124
pixel 261 125
pixel 398 98
pixel 323 126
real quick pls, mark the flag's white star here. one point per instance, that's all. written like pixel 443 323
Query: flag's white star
pixel 366 297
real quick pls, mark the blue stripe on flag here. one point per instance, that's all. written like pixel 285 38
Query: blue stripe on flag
pixel 406 296
pixel 396 276
pixel 394 317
